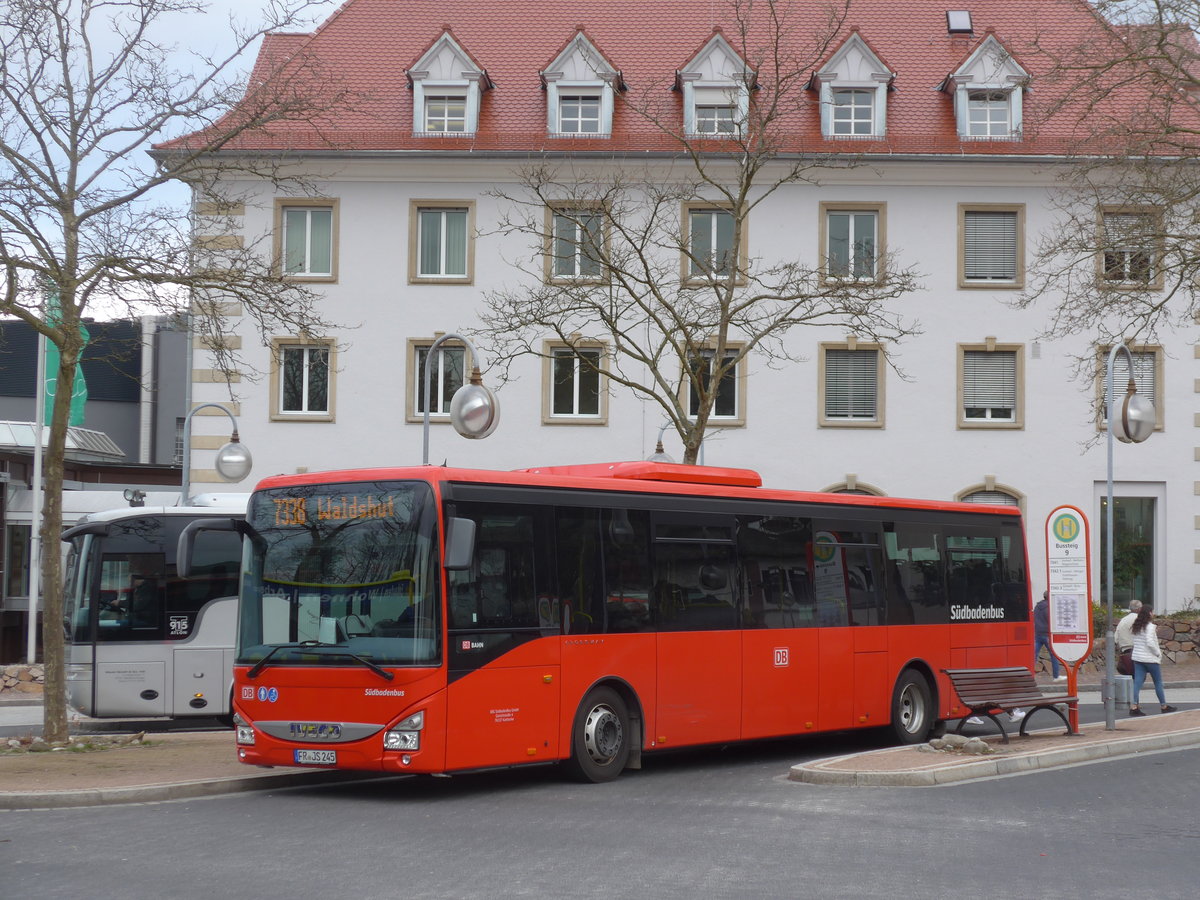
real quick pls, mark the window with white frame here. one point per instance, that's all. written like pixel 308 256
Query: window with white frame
pixel 1129 247
pixel 851 386
pixel 442 248
pixel 989 114
pixel 853 111
pixel 710 243
pixel 991 246
pixel 852 244
pixel 575 382
pixel 716 119
pixel 576 245
pixel 727 403
pixel 578 113
pixel 990 388
pixel 445 374
pixel 1146 365
pixel 302 379
pixel 307 241
pixel 446 113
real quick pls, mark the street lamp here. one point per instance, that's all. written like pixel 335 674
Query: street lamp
pixel 233 459
pixel 660 455
pixel 1131 422
pixel 474 409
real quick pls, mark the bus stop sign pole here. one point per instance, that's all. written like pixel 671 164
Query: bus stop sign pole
pixel 1069 581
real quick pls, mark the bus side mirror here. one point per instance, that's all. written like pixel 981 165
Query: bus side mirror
pixel 460 544
pixel 187 540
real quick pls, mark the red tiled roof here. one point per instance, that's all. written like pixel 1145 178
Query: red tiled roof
pixel 366 45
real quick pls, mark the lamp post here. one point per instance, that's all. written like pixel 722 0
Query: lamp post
pixel 233 459
pixel 660 455
pixel 1132 422
pixel 474 409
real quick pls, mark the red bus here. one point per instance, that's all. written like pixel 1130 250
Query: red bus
pixel 431 619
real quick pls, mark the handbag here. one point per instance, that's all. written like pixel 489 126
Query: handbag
pixel 1125 662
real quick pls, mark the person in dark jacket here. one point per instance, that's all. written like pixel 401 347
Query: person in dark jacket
pixel 1041 635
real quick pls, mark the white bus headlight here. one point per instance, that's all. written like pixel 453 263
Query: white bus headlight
pixel 245 735
pixel 406 735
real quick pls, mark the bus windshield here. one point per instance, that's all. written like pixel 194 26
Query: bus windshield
pixel 339 572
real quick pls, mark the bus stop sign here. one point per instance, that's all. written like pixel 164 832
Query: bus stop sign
pixel 1069 580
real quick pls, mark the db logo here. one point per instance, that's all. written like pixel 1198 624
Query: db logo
pixel 247 692
pixel 781 657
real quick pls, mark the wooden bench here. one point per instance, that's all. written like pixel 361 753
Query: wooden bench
pixel 986 692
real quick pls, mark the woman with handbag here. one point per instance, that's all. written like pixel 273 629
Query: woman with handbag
pixel 1147 657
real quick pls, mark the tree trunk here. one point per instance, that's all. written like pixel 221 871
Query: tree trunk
pixel 54 715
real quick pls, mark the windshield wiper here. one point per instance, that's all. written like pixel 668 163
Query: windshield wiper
pixel 262 663
pixel 338 651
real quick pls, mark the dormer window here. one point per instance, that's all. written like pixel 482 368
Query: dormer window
pixel 580 113
pixel 716 118
pixel 716 86
pixel 853 88
pixel 988 90
pixel 446 113
pixel 580 89
pixel 446 88
pixel 989 114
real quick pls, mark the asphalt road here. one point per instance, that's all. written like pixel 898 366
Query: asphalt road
pixel 704 824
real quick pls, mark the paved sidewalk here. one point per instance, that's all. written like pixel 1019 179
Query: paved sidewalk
pixel 165 767
pixel 920 766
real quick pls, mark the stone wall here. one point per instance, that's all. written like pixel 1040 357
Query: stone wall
pixel 19 681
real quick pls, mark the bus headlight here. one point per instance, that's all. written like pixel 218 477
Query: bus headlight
pixel 406 735
pixel 245 735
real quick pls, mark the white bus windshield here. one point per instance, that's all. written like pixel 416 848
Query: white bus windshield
pixel 344 568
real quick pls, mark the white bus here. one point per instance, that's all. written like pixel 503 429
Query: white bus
pixel 141 641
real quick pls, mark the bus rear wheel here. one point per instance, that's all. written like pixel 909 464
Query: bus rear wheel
pixel 912 708
pixel 600 737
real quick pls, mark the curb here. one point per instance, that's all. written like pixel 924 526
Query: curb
pixel 186 790
pixel 825 772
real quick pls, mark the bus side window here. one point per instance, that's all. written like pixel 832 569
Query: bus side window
pixel 776 575
pixel 625 535
pixel 916 586
pixel 580 581
pixel 501 589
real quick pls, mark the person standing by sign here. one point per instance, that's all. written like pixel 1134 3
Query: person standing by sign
pixel 1041 635
pixel 1147 657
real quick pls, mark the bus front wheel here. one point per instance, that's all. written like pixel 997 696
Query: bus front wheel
pixel 912 708
pixel 600 737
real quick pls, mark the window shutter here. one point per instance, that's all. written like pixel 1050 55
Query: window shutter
pixel 990 379
pixel 851 384
pixel 992 498
pixel 990 245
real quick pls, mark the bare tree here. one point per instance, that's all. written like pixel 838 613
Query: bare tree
pixel 85 87
pixel 621 262
pixel 1121 261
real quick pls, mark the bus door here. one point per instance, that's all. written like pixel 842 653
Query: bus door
pixel 780 649
pixel 130 661
pixel 503 691
pixel 695 603
pixel 847 566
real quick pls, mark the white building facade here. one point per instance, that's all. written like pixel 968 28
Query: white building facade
pixel 404 244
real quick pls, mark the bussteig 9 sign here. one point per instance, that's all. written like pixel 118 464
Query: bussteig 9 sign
pixel 1069 580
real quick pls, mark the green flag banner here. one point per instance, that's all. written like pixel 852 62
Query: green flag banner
pixel 79 392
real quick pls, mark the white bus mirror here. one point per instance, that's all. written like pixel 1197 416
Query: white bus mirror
pixel 460 544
